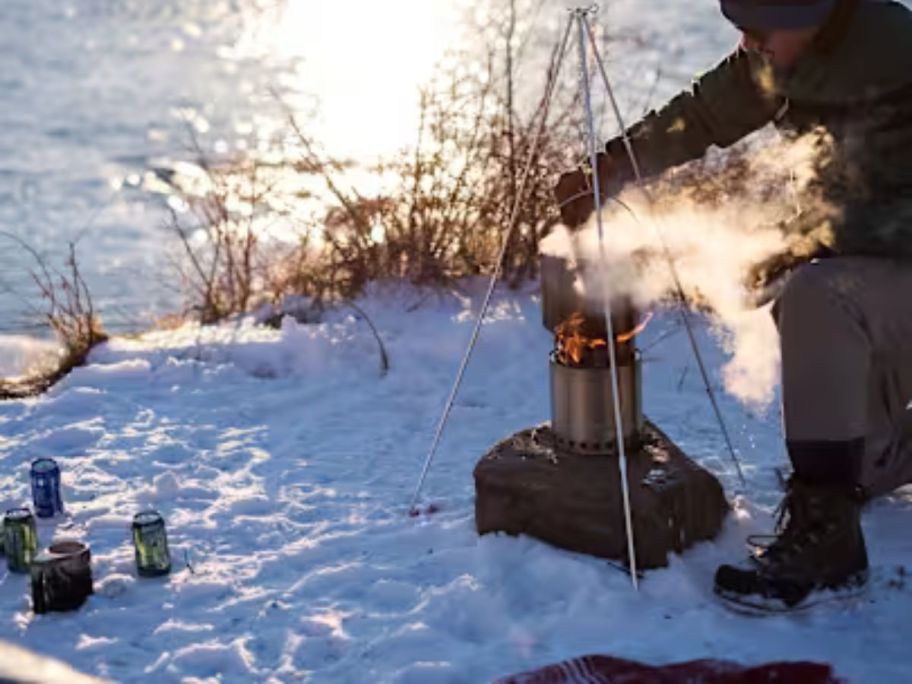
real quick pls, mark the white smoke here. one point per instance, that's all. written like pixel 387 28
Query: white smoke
pixel 713 246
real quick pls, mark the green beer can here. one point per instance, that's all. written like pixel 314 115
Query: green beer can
pixel 150 540
pixel 20 539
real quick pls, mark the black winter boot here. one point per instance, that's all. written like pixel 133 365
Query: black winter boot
pixel 818 545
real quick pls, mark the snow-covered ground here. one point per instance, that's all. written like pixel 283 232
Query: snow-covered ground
pixel 284 464
pixel 20 354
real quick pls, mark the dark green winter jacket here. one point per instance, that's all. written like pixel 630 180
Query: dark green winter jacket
pixel 855 84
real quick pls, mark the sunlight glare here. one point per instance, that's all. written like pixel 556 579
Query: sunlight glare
pixel 365 61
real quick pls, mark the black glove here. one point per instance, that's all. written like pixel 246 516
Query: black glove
pixel 574 192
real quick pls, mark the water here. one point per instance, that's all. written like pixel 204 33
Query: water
pixel 100 92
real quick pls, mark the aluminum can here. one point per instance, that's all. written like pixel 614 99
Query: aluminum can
pixel 45 475
pixel 150 540
pixel 20 538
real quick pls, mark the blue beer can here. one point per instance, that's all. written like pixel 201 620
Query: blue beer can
pixel 45 476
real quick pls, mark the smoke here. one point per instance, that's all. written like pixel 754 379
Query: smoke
pixel 717 222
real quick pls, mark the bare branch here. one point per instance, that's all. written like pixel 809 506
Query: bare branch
pixel 384 357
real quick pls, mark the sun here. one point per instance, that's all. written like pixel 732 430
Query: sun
pixel 365 60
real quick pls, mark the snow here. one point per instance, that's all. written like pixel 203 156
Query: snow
pixel 19 353
pixel 283 461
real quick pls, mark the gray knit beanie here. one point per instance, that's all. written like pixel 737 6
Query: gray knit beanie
pixel 770 15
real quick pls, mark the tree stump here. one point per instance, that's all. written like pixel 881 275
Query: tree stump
pixel 527 485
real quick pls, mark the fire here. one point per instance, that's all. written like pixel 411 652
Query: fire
pixel 627 336
pixel 573 342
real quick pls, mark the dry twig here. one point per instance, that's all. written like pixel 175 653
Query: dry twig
pixel 69 311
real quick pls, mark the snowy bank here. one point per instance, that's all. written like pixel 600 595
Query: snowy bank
pixel 283 463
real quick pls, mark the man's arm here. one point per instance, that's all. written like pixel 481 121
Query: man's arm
pixel 734 99
pixel 724 105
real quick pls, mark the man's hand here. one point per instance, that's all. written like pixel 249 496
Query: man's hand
pixel 574 192
pixel 771 269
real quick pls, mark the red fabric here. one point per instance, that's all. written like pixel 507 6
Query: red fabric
pixel 606 670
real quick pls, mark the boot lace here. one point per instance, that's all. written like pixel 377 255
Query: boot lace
pixel 800 524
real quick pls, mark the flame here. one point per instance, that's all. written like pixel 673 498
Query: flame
pixel 627 336
pixel 572 343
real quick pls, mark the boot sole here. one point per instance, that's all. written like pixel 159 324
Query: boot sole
pixel 752 605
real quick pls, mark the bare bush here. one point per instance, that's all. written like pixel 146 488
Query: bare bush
pixel 477 170
pixel 451 198
pixel 69 312
pixel 229 262
pixel 219 242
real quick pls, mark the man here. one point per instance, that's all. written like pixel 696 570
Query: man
pixel 843 67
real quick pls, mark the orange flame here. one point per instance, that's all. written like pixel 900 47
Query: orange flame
pixel 627 336
pixel 572 343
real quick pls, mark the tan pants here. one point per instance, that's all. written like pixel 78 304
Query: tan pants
pixel 845 328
